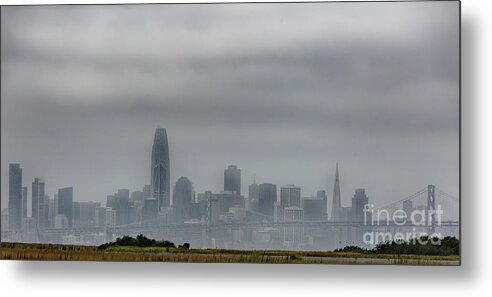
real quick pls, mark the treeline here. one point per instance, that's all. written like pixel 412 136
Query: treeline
pixel 141 241
pixel 447 246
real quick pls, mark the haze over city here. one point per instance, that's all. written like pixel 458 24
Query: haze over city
pixel 282 91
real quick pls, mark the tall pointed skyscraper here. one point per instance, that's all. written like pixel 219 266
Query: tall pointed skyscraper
pixel 336 202
pixel 160 173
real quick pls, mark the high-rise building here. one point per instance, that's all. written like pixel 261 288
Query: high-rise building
pixel 15 197
pixel 267 197
pixel 147 191
pixel 359 201
pixel 120 202
pixel 290 196
pixel 38 203
pixel 313 209
pixel 160 172
pixel 24 202
pixel 104 216
pixel 253 196
pixel 321 194
pixel 29 230
pixel 182 199
pixel 4 223
pixel 232 179
pixel 294 234
pixel 137 196
pixel 136 206
pixel 336 204
pixel 65 204
pixel 149 215
pixel 213 208
pixel 228 199
pixel 51 212
pixel 60 221
pixel 84 213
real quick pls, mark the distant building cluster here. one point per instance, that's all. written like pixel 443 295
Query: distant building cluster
pixel 268 216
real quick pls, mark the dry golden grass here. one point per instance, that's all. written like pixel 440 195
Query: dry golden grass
pixel 47 252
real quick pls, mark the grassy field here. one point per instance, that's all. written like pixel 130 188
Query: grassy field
pixel 54 252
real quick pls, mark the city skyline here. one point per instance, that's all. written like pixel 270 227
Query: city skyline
pixel 283 113
pixel 262 218
pixel 346 201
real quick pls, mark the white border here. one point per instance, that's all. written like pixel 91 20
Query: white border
pixel 473 278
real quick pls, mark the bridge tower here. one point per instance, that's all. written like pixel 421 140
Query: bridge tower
pixel 431 209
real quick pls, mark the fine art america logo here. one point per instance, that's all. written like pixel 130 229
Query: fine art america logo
pixel 420 219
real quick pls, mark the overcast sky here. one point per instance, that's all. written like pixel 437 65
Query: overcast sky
pixel 284 91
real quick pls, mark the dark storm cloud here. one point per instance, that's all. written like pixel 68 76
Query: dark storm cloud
pixel 283 90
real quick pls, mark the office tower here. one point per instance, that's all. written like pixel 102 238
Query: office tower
pixel 213 208
pixel 104 216
pixel 313 209
pixel 182 199
pixel 147 191
pixel 267 196
pixel 232 179
pixel 29 230
pixel 60 222
pixel 15 197
pixel 293 233
pixel 136 206
pixel 4 223
pixel 137 196
pixel 359 201
pixel 149 215
pixel 51 212
pixel 120 202
pixel 321 194
pixel 110 217
pixel 229 199
pixel 55 199
pixel 253 196
pixel 160 172
pixel 100 216
pixel 38 204
pixel 336 202
pixel 277 212
pixel 290 196
pixel 65 205
pixel 24 202
pixel 84 213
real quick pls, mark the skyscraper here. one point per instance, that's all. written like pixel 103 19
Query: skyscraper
pixel 149 211
pixel 24 202
pixel 321 194
pixel 65 204
pixel 313 209
pixel 336 202
pixel 253 196
pixel 358 203
pixel 38 203
pixel 290 196
pixel 267 198
pixel 232 179
pixel 120 202
pixel 294 235
pixel 15 197
pixel 83 213
pixel 160 173
pixel 182 199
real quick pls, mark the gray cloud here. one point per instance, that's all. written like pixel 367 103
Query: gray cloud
pixel 282 90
